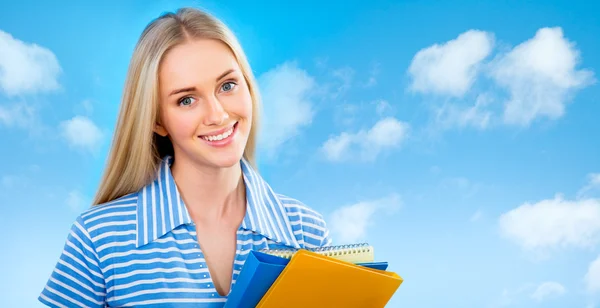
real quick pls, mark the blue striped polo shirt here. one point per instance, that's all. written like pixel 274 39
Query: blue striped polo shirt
pixel 142 250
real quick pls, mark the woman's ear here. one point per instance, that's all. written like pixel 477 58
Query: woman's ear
pixel 159 129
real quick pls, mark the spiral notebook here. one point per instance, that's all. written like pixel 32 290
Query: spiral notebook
pixel 336 276
pixel 354 253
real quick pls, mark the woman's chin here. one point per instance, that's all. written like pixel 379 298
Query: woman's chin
pixel 223 159
pixel 225 163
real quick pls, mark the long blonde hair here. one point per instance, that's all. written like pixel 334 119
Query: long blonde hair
pixel 136 150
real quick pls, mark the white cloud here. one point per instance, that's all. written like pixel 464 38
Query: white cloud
pixel 477 116
pixel 81 132
pixel 286 95
pixel 26 68
pixel 18 115
pixel 349 224
pixel 382 107
pixel 386 134
pixel 372 81
pixel 511 296
pixel 592 185
pixel 349 114
pixel 553 223
pixel 344 76
pixel 548 290
pixel 592 277
pixel 450 68
pixel 539 75
pixel 336 148
pixel 76 201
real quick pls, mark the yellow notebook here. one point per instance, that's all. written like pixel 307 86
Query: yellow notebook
pixel 353 253
pixel 314 280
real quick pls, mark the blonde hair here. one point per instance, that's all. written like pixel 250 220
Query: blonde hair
pixel 136 151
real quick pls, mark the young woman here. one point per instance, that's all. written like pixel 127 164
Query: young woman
pixel 180 204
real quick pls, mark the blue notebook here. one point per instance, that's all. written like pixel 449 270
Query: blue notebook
pixel 258 274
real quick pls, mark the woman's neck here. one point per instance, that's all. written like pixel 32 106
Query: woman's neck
pixel 210 194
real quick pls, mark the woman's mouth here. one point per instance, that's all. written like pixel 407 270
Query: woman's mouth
pixel 222 138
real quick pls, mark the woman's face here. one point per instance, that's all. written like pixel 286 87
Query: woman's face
pixel 205 103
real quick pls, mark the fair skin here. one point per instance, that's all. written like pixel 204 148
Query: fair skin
pixel 203 98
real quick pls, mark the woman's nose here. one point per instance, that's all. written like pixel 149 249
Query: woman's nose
pixel 216 114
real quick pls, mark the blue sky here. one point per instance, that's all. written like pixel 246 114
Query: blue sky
pixel 460 139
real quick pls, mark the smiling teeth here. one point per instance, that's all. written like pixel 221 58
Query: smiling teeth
pixel 219 137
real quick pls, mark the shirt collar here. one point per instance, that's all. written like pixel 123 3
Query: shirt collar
pixel 160 208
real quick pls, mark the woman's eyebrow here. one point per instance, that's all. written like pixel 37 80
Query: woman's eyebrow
pixel 225 74
pixel 190 89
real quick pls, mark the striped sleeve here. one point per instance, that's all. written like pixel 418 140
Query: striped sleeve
pixel 327 240
pixel 77 280
pixel 312 226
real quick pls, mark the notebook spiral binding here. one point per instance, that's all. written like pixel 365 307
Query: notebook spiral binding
pixel 330 251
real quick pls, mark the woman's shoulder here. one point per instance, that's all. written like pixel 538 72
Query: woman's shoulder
pixel 310 222
pixel 121 204
pixel 107 214
pixel 293 205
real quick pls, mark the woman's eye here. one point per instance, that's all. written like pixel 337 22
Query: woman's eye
pixel 186 101
pixel 228 86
